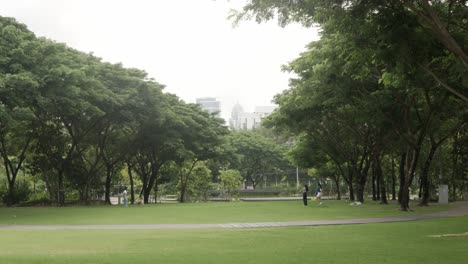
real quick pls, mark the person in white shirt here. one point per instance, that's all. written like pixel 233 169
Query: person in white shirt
pixel 318 193
pixel 125 197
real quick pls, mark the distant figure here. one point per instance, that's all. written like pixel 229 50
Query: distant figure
pixel 125 197
pixel 318 193
pixel 304 194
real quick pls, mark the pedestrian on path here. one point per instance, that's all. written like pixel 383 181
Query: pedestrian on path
pixel 318 194
pixel 304 194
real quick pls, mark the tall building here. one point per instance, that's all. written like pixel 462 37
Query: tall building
pixel 264 111
pixel 210 104
pixel 241 120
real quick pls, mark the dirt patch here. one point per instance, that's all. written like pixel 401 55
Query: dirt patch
pixel 451 235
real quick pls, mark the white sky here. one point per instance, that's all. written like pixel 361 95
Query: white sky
pixel 187 45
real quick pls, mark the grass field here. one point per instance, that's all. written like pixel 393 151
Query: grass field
pixel 194 213
pixel 406 242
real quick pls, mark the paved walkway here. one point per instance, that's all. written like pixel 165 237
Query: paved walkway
pixel 460 209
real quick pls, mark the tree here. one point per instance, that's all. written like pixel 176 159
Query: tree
pixel 76 120
pixel 443 20
pixel 231 180
pixel 366 75
pixel 202 134
pixel 152 134
pixel 198 185
pixel 257 155
pixel 18 90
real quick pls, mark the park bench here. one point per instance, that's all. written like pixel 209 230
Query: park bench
pixel 168 198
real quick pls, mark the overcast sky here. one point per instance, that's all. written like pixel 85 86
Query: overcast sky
pixel 187 45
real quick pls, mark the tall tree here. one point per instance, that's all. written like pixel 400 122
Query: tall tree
pixel 202 134
pixel 18 89
pixel 257 155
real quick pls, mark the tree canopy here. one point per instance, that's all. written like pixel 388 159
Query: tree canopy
pixel 76 121
pixel 382 78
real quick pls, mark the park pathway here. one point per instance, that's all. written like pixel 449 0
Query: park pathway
pixel 460 209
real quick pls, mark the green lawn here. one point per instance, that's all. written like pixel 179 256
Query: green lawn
pixel 193 213
pixel 406 242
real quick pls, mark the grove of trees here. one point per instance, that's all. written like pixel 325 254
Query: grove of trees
pixel 75 122
pixel 381 96
pixel 377 109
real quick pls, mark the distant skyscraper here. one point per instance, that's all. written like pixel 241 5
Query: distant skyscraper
pixel 241 120
pixel 264 111
pixel 210 104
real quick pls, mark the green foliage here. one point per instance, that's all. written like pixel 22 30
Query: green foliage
pixel 256 155
pixel 76 121
pixel 194 183
pixel 383 71
pixel 38 199
pixel 231 180
pixel 202 184
pixel 20 193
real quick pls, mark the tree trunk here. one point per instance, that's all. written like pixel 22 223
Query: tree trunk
pixel 374 193
pixel 13 169
pixel 337 179
pixel 383 195
pixel 411 162
pixel 60 189
pixel 337 183
pixel 360 185
pixel 393 180
pixel 154 174
pixel 378 180
pixel 378 176
pixel 361 181
pixel 182 195
pixel 352 196
pixel 401 176
pixel 185 179
pixel 349 181
pixel 425 177
pixel 11 193
pixel 146 194
pixel 381 181
pixel 132 190
pixel 108 184
pixel 183 186
pixel 141 168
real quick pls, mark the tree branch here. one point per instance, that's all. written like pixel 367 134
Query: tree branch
pixel 447 87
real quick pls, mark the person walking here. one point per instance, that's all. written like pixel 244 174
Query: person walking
pixel 304 194
pixel 125 197
pixel 318 193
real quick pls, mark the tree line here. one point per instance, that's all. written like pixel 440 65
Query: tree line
pixel 378 107
pixel 77 124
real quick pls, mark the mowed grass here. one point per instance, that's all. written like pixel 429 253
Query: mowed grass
pixel 193 213
pixel 405 242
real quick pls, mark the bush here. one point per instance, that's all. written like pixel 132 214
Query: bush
pixel 20 194
pixel 231 180
pixel 38 198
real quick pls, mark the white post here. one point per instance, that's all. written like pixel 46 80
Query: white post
pixel 297 176
pixel 443 188
pixel 443 194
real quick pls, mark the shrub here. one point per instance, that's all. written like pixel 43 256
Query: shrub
pixel 20 193
pixel 231 181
